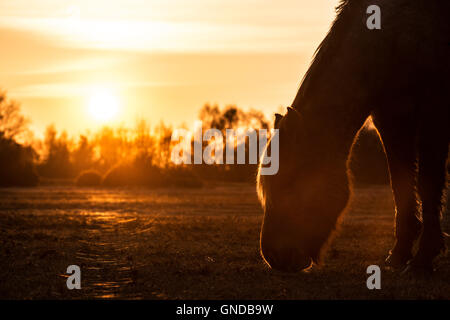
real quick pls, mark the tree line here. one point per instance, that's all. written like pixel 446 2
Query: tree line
pixel 140 156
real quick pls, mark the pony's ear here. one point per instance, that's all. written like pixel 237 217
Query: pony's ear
pixel 292 119
pixel 278 118
pixel 292 110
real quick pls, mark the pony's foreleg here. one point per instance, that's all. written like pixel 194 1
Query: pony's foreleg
pixel 398 135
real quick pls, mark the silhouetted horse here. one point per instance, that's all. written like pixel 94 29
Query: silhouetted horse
pixel 399 75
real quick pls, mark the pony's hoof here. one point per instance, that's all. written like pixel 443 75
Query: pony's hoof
pixel 418 270
pixel 396 261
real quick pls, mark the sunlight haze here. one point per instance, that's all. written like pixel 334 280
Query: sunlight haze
pixel 165 59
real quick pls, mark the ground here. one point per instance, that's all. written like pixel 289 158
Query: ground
pixel 187 244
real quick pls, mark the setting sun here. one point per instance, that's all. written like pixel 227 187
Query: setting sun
pixel 103 105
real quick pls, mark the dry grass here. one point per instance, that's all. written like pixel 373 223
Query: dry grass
pixel 186 244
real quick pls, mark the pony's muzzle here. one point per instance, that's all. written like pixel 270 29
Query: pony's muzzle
pixel 286 259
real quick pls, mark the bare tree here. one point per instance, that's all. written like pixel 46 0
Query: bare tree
pixel 12 122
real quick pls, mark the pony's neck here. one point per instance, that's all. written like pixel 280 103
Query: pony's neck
pixel 331 125
pixel 336 94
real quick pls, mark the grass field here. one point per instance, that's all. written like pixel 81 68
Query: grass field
pixel 186 244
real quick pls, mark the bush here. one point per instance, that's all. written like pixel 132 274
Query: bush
pixel 89 179
pixel 140 173
pixel 117 176
pixel 17 167
pixel 182 177
pixel 132 175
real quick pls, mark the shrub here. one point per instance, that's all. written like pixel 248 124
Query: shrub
pixel 138 174
pixel 182 177
pixel 17 167
pixel 89 179
pixel 132 175
pixel 117 176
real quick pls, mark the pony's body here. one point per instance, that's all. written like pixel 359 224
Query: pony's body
pixel 399 75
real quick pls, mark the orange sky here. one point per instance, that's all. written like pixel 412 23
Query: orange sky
pixel 161 59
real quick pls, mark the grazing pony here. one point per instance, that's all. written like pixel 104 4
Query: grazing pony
pixel 400 76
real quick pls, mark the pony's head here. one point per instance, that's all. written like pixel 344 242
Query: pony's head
pixel 303 201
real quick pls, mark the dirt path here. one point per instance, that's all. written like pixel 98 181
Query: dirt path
pixel 108 268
